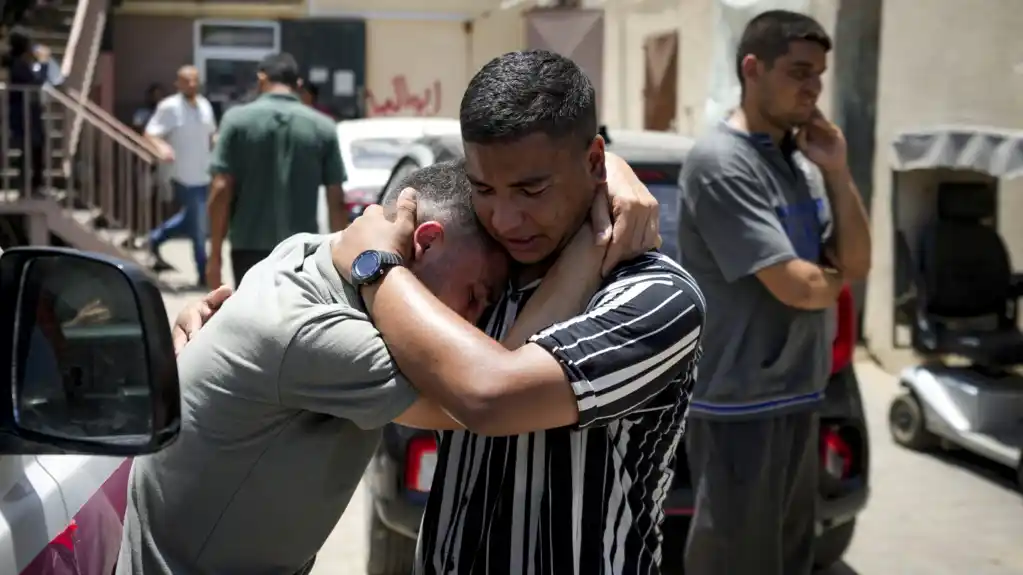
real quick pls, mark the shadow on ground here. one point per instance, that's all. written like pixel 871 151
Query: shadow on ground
pixel 674 547
pixel 983 468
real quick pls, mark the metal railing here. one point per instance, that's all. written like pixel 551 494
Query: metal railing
pixel 108 179
pixel 79 62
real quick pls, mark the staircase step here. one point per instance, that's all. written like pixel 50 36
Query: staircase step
pixel 56 154
pixel 46 36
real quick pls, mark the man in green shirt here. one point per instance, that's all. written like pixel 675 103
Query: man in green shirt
pixel 270 159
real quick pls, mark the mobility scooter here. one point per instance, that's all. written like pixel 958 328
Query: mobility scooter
pixel 959 294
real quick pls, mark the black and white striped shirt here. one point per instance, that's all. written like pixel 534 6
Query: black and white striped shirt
pixel 587 499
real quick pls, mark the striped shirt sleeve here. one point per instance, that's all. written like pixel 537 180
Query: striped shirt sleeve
pixel 640 334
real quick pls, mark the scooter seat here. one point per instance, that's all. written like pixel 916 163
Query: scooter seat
pixel 1002 347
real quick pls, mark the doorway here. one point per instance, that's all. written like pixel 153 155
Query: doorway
pixel 660 85
pixel 227 53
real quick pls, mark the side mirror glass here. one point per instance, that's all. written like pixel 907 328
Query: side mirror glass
pixel 93 366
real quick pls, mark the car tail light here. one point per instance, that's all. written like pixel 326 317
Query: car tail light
pixel 836 455
pixel 652 176
pixel 420 463
pixel 845 334
pixel 66 538
pixel 357 199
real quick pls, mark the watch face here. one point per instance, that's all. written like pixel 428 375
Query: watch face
pixel 366 265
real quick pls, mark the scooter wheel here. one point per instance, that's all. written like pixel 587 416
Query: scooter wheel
pixel 906 423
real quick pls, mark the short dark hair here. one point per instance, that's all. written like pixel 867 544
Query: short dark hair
pixel 768 35
pixel 523 93
pixel 19 42
pixel 443 194
pixel 281 69
pixel 313 89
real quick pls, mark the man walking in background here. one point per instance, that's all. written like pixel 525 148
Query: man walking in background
pixel 753 227
pixel 182 129
pixel 272 156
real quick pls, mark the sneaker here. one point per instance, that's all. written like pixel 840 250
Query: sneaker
pixel 159 264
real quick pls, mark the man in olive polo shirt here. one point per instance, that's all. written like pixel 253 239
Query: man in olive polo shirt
pixel 270 159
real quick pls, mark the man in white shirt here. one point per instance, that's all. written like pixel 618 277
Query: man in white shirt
pixel 182 128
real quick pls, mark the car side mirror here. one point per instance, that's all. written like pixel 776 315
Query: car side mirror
pixel 88 351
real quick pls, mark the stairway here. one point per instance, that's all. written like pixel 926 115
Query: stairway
pixel 96 173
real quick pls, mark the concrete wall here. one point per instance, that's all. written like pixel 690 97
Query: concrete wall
pixel 695 22
pixel 421 67
pixel 953 62
pixel 148 49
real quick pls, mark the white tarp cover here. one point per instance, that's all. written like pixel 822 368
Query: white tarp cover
pixel 730 18
pixel 993 151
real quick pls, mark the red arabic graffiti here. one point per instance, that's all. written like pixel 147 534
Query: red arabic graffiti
pixel 404 101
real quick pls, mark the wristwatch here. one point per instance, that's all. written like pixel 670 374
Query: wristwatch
pixel 371 265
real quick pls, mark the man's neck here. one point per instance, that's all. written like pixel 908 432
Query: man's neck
pixel 189 99
pixel 528 274
pixel 748 119
pixel 278 89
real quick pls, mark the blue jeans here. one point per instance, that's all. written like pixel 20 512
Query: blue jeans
pixel 190 222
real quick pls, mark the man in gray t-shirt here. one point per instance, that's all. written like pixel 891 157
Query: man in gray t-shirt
pixel 771 251
pixel 283 394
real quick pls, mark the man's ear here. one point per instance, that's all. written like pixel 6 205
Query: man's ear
pixel 595 160
pixel 427 235
pixel 750 67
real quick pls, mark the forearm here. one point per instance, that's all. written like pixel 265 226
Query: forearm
pixel 218 209
pixel 852 226
pixel 159 142
pixel 337 211
pixel 564 293
pixel 822 289
pixel 619 172
pixel 447 359
pixel 802 284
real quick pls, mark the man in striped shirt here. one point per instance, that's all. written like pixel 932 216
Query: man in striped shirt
pixel 573 434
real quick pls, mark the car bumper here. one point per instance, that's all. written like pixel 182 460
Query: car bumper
pixel 400 515
pixel 398 508
pixel 843 405
pixel 831 512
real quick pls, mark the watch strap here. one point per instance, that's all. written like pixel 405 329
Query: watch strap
pixel 390 259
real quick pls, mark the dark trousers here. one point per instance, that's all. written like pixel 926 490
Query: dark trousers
pixel 756 495
pixel 243 260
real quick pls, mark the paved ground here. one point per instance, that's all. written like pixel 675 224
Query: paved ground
pixel 948 514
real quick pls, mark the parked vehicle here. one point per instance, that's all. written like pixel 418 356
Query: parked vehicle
pixel 91 381
pixel 957 293
pixel 402 470
pixel 369 149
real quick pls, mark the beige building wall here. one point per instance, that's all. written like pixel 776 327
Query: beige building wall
pixel 954 62
pixel 420 67
pixel 415 68
pixel 394 8
pixel 694 20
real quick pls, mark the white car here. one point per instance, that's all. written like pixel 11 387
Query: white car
pixel 92 381
pixel 369 149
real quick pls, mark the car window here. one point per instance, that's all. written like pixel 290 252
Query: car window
pixel 662 181
pixel 377 153
pixel 667 197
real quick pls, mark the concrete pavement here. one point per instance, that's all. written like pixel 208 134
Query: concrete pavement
pixel 929 514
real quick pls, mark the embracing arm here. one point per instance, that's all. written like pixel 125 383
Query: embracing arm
pixel 338 365
pixel 565 375
pixel 565 290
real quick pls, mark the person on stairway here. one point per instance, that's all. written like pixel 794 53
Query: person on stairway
pixel 25 111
